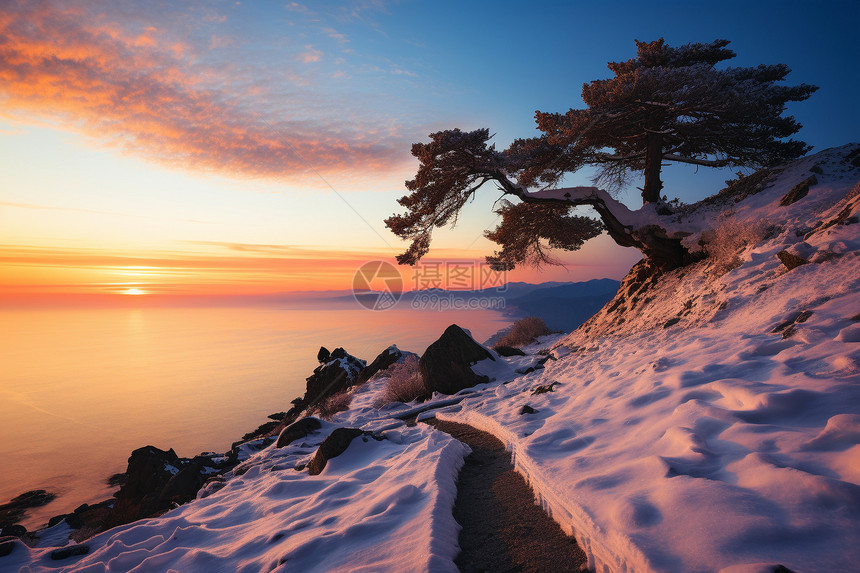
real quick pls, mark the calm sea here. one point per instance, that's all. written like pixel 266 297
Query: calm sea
pixel 81 388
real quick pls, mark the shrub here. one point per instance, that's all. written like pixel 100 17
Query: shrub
pixel 333 404
pixel 728 241
pixel 404 383
pixel 524 331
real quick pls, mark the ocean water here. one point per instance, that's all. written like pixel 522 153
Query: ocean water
pixel 81 388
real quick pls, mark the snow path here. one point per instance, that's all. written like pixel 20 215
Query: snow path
pixel 503 528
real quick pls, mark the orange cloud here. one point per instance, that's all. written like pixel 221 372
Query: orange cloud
pixel 141 91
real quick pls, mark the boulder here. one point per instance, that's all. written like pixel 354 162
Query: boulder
pixel 385 359
pixel 340 372
pixel 296 430
pixel 791 260
pixel 149 470
pixel 7 545
pixel 70 551
pixel 183 487
pixel 799 191
pixel 323 355
pixel 13 531
pixel 334 445
pixel 446 365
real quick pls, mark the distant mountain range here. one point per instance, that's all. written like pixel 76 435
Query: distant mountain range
pixel 562 305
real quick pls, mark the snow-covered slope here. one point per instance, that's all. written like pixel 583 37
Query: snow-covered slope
pixel 730 439
pixel 706 419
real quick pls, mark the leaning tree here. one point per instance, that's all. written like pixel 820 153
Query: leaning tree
pixel 665 105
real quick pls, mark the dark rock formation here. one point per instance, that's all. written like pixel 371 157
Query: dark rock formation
pixel 70 551
pixel 509 351
pixel 334 445
pixel 7 544
pixel 446 365
pixel 149 470
pixel 790 260
pixel 264 429
pixel 385 359
pixel 339 373
pixel 296 430
pixel 799 191
pixel 12 512
pixel 544 388
pixel 323 355
pixel 526 409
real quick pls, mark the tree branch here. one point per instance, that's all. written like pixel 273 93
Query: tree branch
pixel 694 161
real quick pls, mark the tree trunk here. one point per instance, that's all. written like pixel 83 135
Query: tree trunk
pixel 652 240
pixel 653 164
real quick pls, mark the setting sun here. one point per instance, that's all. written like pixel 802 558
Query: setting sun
pixel 133 291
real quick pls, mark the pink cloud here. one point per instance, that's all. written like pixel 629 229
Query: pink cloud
pixel 143 92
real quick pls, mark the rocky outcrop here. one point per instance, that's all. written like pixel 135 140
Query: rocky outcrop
pixel 791 260
pixel 338 373
pixel 149 470
pixel 334 445
pixel 799 191
pixel 13 511
pixel 446 365
pixel 385 359
pixel 296 430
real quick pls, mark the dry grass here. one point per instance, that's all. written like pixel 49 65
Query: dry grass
pixel 335 403
pixel 524 331
pixel 404 383
pixel 728 241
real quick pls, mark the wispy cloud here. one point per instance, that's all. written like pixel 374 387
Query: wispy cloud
pixel 135 88
pixel 310 55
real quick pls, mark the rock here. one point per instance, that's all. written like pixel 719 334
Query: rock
pixel 526 409
pixel 296 430
pixel 340 372
pixel 334 445
pixel 790 260
pixel 262 431
pixel 385 359
pixel 277 416
pixel 671 322
pixel 70 551
pixel 799 191
pixel 446 365
pixel 544 388
pixel 183 487
pixel 323 355
pixel 12 512
pixel 509 351
pixel 13 531
pixel 149 470
pixel 7 545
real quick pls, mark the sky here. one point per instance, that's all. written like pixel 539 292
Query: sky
pixel 247 148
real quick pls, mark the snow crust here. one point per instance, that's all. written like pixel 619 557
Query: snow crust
pixel 716 428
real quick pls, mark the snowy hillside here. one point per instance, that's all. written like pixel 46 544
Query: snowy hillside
pixel 707 419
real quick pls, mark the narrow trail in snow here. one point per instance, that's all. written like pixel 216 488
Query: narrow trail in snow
pixel 503 529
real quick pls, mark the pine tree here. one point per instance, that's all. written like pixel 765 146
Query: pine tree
pixel 665 105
